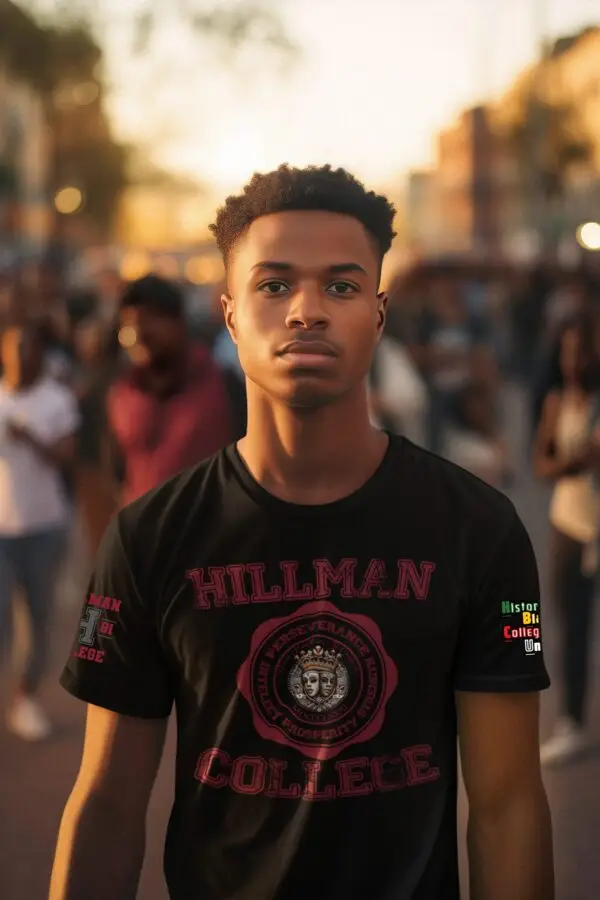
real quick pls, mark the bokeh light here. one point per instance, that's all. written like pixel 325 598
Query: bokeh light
pixel 135 264
pixel 588 235
pixel 68 200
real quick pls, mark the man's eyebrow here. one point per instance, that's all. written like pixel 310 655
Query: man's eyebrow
pixel 273 266
pixel 280 266
pixel 346 267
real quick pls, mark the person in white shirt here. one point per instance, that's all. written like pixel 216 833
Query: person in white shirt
pixel 38 423
pixel 473 440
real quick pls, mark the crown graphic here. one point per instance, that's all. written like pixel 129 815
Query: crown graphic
pixel 318 658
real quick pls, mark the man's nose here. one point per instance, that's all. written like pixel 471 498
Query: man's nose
pixel 307 309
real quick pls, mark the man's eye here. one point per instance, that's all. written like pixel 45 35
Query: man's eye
pixel 273 287
pixel 342 287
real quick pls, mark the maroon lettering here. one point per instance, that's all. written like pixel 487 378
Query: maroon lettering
pixel 260 593
pixel 89 654
pixel 241 584
pixel 311 788
pixel 417 763
pixel 240 596
pixel 109 603
pixel 205 762
pixel 326 575
pixel 357 777
pixel 248 775
pixel 208 584
pixel 107 628
pixel 413 582
pixel 277 768
pixel 352 778
pixel 378 773
pixel 374 576
pixel 291 589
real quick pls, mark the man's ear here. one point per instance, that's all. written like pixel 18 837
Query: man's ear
pixel 382 302
pixel 229 315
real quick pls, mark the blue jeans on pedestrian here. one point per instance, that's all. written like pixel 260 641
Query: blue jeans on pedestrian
pixel 30 563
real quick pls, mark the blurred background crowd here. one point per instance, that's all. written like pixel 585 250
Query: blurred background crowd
pixel 122 127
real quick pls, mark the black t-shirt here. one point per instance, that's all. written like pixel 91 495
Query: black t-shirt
pixel 312 654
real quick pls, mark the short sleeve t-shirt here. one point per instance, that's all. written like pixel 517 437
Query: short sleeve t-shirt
pixel 312 654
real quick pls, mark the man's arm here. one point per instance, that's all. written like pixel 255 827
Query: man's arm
pixel 509 832
pixel 500 670
pixel 101 841
pixel 117 666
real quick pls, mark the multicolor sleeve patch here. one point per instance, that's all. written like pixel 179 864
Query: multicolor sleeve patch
pixel 524 625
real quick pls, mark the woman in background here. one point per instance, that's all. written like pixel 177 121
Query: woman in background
pixel 565 454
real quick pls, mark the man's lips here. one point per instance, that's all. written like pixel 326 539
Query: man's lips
pixel 317 349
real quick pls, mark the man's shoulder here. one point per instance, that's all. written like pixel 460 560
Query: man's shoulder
pixel 177 500
pixel 441 487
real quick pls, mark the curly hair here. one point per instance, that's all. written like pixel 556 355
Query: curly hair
pixel 315 188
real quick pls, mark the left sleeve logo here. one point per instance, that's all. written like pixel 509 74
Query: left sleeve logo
pixel 93 625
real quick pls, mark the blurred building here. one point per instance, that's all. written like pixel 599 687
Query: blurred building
pixel 553 109
pixel 477 185
pixel 421 204
pixel 482 195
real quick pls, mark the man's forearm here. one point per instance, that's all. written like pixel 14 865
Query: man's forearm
pixel 98 855
pixel 510 851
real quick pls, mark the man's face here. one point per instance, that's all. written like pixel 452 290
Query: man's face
pixel 308 279
pixel 150 338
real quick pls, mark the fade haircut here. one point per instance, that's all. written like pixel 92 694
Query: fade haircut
pixel 313 188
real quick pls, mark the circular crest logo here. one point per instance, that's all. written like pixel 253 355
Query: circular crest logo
pixel 318 680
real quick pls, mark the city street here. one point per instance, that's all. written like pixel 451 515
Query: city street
pixel 35 780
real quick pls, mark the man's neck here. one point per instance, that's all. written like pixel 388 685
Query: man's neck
pixel 312 456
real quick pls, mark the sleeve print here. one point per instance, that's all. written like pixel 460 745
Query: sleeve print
pixel 501 642
pixel 116 660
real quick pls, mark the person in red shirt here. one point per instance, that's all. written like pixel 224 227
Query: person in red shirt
pixel 170 410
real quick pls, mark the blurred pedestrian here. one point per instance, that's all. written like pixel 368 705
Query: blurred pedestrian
pixel 473 440
pixel 170 410
pixel 97 368
pixel 38 422
pixel 453 350
pixel 398 395
pixel 565 455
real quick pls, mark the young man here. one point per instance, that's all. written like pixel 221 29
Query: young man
pixel 171 409
pixel 38 422
pixel 313 600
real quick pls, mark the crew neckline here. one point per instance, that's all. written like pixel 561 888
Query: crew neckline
pixel 359 497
